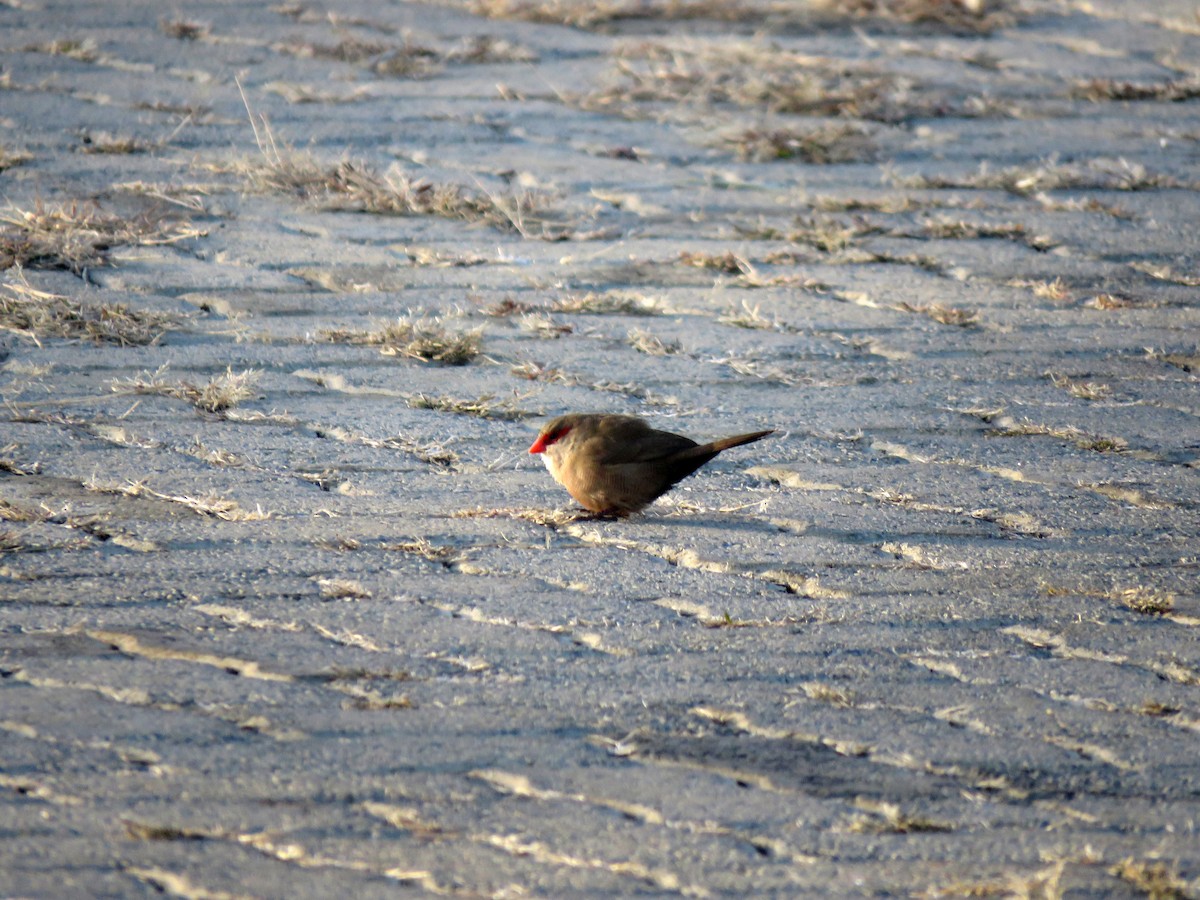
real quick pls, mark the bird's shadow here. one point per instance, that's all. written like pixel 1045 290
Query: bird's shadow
pixel 586 515
pixel 699 520
pixel 692 520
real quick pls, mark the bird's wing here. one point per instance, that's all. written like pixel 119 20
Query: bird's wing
pixel 635 442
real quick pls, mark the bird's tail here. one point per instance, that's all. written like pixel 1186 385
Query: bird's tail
pixel 711 450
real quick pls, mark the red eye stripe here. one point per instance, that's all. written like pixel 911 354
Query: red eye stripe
pixel 545 440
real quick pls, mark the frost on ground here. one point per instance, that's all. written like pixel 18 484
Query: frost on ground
pixel 286 291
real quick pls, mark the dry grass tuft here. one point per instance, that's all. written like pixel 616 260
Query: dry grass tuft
pixel 209 504
pixel 1107 302
pixel 342 589
pixel 451 349
pixel 1188 362
pixel 1146 601
pixel 727 262
pixel 443 554
pixel 214 456
pixel 1025 181
pixel 1044 884
pixel 7 462
pixel 652 345
pixel 749 317
pixel 10 157
pixel 366 699
pixel 415 337
pixel 534 371
pixel 1008 427
pixel 753 278
pixel 406 60
pixel 828 233
pixel 35 314
pixel 959 230
pixel 1155 708
pixel 1098 89
pixel 144 831
pixel 355 186
pixel 487 49
pixel 623 303
pixel 339 544
pixel 1055 290
pixel 77 236
pixel 748 77
pixel 433 453
pixel 544 326
pixel 842 143
pixel 1084 390
pixel 192 197
pixel 827 693
pixel 1166 273
pixel 947 315
pixel 410 59
pixel 184 29
pixel 193 112
pixel 483 407
pixel 81 51
pixel 22 514
pixel 444 259
pixel 881 817
pixel 102 142
pixel 295 92
pixel 26 369
pixel 766 79
pixel 963 16
pixel 13 541
pixel 1156 880
pixel 756 368
pixel 898 203
pixel 218 394
pixel 1083 204
pixel 591 15
pixel 507 306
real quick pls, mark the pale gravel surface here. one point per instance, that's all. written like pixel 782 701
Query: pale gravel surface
pixel 891 651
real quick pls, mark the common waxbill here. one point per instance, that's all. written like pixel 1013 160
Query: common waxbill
pixel 616 465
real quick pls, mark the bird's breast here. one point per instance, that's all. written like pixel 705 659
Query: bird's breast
pixel 552 464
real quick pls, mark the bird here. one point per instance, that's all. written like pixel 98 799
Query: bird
pixel 616 465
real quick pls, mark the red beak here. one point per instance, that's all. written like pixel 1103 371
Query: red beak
pixel 540 445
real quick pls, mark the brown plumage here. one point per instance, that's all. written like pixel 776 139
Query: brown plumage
pixel 616 465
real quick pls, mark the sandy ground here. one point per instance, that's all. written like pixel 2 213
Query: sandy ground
pixel 287 609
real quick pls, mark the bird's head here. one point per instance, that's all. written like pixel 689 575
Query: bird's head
pixel 552 434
